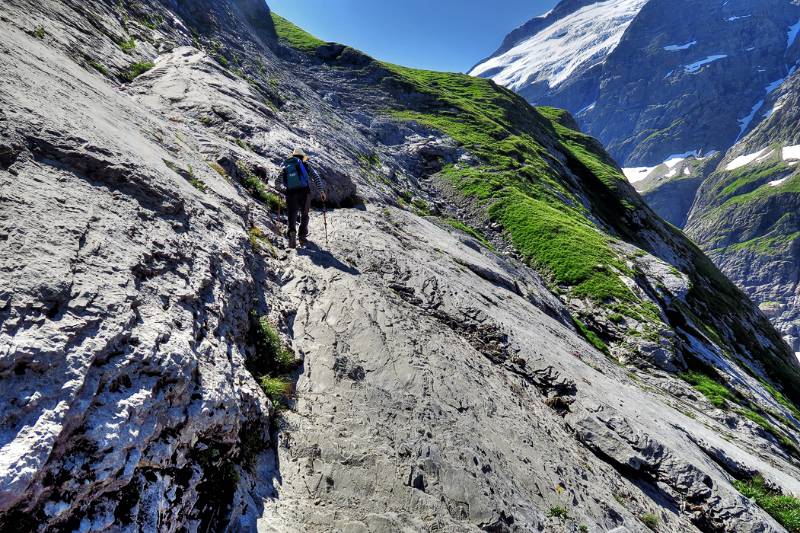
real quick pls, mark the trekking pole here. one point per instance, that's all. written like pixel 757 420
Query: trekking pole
pixel 325 221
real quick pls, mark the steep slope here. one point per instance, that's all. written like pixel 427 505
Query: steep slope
pixel 684 77
pixel 756 186
pixel 444 381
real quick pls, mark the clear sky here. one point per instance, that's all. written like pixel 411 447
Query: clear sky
pixel 449 35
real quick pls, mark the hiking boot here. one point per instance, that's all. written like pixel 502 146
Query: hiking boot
pixel 303 241
pixel 292 241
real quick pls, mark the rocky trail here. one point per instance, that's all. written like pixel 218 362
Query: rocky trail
pixel 410 341
pixel 443 383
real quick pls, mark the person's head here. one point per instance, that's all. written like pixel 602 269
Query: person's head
pixel 300 154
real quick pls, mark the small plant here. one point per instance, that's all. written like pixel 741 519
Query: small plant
pixel 558 512
pixel 39 32
pixel 472 232
pixel 137 69
pixel 278 390
pixel 784 509
pixel 188 175
pixel 206 121
pixel 258 240
pixel 128 45
pixel 196 182
pixel 216 167
pixel 99 68
pixel 650 520
pixel 271 356
pixel 421 207
pixel 259 191
pixel 583 528
pixel 153 21
pixel 222 60
pixel 244 145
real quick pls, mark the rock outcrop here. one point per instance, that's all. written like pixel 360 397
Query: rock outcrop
pixel 492 332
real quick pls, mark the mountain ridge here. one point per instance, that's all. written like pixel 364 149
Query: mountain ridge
pixel 648 84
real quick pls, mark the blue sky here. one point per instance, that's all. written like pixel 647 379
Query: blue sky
pixel 450 35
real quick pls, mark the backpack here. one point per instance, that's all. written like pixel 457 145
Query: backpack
pixel 296 174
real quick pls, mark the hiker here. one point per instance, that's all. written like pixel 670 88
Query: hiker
pixel 295 175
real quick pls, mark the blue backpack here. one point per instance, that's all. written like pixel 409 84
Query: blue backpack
pixel 296 174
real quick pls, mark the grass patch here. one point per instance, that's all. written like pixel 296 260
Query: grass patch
pixel 279 390
pixel 591 336
pixel 784 509
pixel 128 45
pixel 216 167
pixel 716 393
pixel 39 32
pixel 294 36
pixel 469 230
pixel 258 189
pixel 271 361
pixel 571 250
pixel 136 70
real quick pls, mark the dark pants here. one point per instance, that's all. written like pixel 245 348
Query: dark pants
pixel 298 201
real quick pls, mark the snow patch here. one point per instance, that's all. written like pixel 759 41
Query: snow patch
pixel 745 122
pixel 697 65
pixel 635 174
pixel 678 47
pixel 579 40
pixel 744 160
pixel 774 85
pixel 731 19
pixel 790 152
pixel 585 109
pixel 778 183
pixel 792 36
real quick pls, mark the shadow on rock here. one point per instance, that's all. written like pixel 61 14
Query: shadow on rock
pixel 325 259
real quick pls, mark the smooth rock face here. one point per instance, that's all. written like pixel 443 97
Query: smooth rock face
pixel 747 215
pixel 443 386
pixel 685 76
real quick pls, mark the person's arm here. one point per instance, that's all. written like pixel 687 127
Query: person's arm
pixel 281 179
pixel 318 182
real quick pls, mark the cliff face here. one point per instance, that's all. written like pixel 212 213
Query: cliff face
pixel 684 77
pixel 492 331
pixel 755 187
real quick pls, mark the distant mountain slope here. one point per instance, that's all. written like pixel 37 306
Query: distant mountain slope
pixel 567 41
pixel 747 214
pixel 684 76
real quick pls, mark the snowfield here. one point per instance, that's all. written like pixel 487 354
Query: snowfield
pixel 578 41
pixel 678 47
pixel 744 160
pixel 697 65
